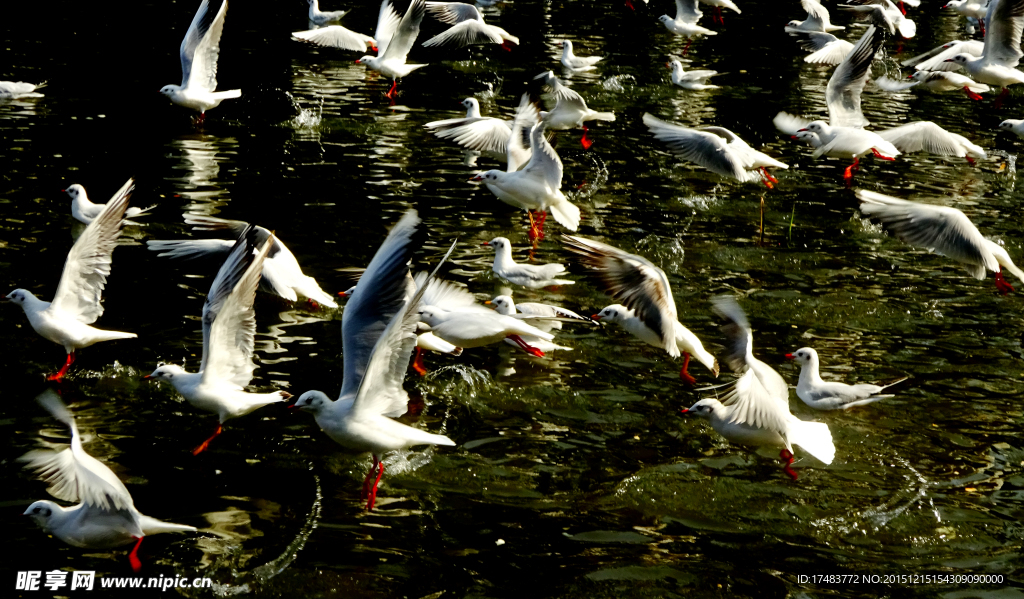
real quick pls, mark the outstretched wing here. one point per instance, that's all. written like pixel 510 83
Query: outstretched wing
pixel 88 264
pixel 406 32
pixel 842 94
pixel 201 46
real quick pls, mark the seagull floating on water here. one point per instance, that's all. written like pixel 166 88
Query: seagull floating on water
pixel 695 80
pixel 85 211
pixel 685 23
pixel 10 90
pixel 822 395
pixel 532 276
pixel 577 63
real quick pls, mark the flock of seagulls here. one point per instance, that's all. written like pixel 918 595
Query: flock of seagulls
pixel 393 315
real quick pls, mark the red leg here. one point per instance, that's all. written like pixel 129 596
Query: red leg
pixel 391 92
pixel 970 160
pixel 769 176
pixel 902 10
pixel 507 45
pixel 787 456
pixel 765 178
pixel 534 233
pixel 718 15
pixel 366 481
pixel 373 492
pixel 688 42
pixel 202 447
pixel 982 23
pixel 971 94
pixel 880 156
pixel 685 373
pixel 1002 284
pixel 417 362
pixel 848 173
pixel 133 557
pixel 526 347
pixel 629 5
pixel 586 143
pixel 201 119
pixel 64 370
pixel 999 101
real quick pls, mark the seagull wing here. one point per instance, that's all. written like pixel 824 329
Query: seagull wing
pixel 687 11
pixel 847 82
pixel 790 124
pixel 519 149
pixel 816 13
pixel 381 292
pixel 544 162
pixel 483 134
pixel 387 24
pixel 636 282
pixel 1005 21
pixel 445 294
pixel 923 136
pixel 706 149
pixel 381 387
pixel 892 85
pixel 88 264
pixel 466 33
pixel 73 474
pixel 201 46
pixel 453 13
pixel 944 230
pixel 334 36
pixel 557 90
pixel 229 320
pixel 405 35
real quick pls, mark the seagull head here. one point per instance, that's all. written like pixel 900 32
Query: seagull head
pixel 348 292
pixel 430 315
pixel 703 408
pixel 170 90
pixel 165 372
pixel 816 127
pixel 665 19
pixel 311 401
pixel 794 23
pixel 614 313
pixel 503 305
pixel 567 45
pixel 20 296
pixel 41 512
pixel 367 60
pixel 76 191
pixel 1009 124
pixel 499 243
pixel 809 137
pixel 490 176
pixel 960 58
pixel 674 65
pixel 804 356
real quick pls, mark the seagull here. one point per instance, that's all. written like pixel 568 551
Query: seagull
pixel 928 137
pixel 10 90
pixel 543 316
pixel 467 27
pixel 477 328
pixel 972 9
pixel 649 310
pixel 715 148
pixel 817 19
pixel 1001 53
pixel 570 108
pixel 480 133
pixel 942 230
pixel 936 81
pixel 282 274
pixel 536 186
pixel 755 411
pixel 85 211
pixel 504 305
pixel 76 304
pixel 719 5
pixel 844 136
pixel 822 395
pixel 825 48
pixel 685 23
pixel 199 51
pixel 395 37
pixel 376 351
pixel 105 516
pixel 532 276
pixel 693 80
pixel 577 63
pixel 336 36
pixel 229 331
pixel 884 11
pixel 935 59
pixel 319 17
pixel 1015 126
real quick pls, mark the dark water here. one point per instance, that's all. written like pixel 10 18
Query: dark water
pixel 574 475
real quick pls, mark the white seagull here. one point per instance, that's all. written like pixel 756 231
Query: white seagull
pixel 336 36
pixel 695 80
pixel 822 395
pixel 926 136
pixel 105 516
pixel 685 23
pixel 570 109
pixel 474 131
pixel 817 19
pixel 282 274
pixel 467 27
pixel 1015 126
pixel 756 410
pixel 199 51
pixel 229 331
pixel 844 136
pixel 942 230
pixel 884 10
pixel 76 304
pixel 10 90
pixel 480 327
pixel 717 149
pixel 825 48
pixel 321 17
pixel 537 186
pixel 85 211
pixel 1001 53
pixel 577 63
pixel 650 309
pixel 719 5
pixel 395 37
pixel 504 305
pixel 376 352
pixel 532 276
pixel 935 59
pixel 543 316
pixel 936 81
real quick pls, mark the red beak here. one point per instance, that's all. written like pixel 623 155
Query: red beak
pixel 793 137
pixel 684 411
pixel 342 294
pixel 486 243
pixel 668 65
pixel 292 407
pixel 476 178
pixel 596 317
pixel 147 377
pixel 789 356
pixel 800 130
pixel 357 62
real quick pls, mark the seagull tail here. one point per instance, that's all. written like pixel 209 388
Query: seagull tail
pixel 814 438
pixel 152 526
pixel 603 116
pixel 231 93
pixel 567 214
pixel 418 437
pixel 102 335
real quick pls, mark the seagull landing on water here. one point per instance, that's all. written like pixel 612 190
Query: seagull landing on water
pixel 467 27
pixel 822 395
pixel 570 109
pixel 105 516
pixel 76 304
pixel 532 276
pixel 85 211
pixel 577 63
pixel 378 336
pixel 10 90
pixel 395 38
pixel 695 80
pixel 936 81
pixel 685 23
pixel 199 51
pixel 229 331
pixel 321 17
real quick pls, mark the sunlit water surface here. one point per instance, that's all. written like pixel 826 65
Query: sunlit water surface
pixel 574 475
